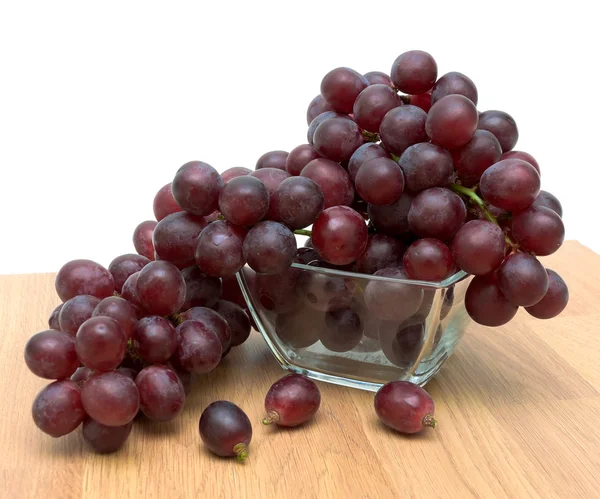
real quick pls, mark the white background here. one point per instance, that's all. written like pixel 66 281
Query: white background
pixel 101 102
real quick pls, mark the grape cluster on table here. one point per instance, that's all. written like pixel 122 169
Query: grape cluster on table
pixel 401 177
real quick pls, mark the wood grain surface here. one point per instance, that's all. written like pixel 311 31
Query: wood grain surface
pixel 518 410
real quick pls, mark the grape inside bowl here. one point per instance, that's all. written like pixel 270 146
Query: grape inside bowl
pixel 354 329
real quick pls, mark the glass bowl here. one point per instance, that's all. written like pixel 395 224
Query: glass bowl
pixel 357 330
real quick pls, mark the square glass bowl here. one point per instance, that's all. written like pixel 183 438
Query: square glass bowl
pixel 357 330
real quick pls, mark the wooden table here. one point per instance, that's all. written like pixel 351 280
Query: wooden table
pixel 518 410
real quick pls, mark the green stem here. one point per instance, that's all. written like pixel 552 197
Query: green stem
pixel 370 136
pixel 303 232
pixel 404 98
pixel 241 451
pixel 428 420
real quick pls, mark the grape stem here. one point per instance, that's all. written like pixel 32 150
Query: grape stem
pixel 241 451
pixel 428 420
pixel 370 136
pixel 272 417
pixel 474 198
pixel 303 232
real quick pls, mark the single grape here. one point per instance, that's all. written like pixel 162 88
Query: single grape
pixel 402 127
pixel 337 138
pixel 244 200
pixel 299 157
pixel 161 393
pixel 161 288
pixel 372 104
pixel 333 180
pixel 300 327
pixel 381 252
pixel 522 279
pixel 343 329
pixel 554 301
pixel 377 77
pixel 454 83
pixel 306 256
pixel 437 213
pixel 236 171
pixel 393 299
pixel 130 372
pixel 314 124
pixel 120 310
pixel 110 398
pixel 479 247
pixel 380 181
pixel 101 343
pixel 392 219
pixel 297 202
pixel 364 153
pixel 426 165
pixel 269 247
pixel 196 188
pixel 164 203
pixel 213 321
pixel 401 343
pixel 226 430
pixel 421 100
pixel 404 407
pixel 57 409
pixel 272 159
pixel 81 374
pixel 428 260
pixel 539 230
pixel 317 106
pixel 83 277
pixel 142 238
pixel 339 235
pixel 53 320
pixel 76 311
pixel 476 156
pixel 105 439
pixel 548 200
pixel 486 304
pixel 272 178
pixel 175 237
pixel 201 290
pixel 51 354
pixel 219 249
pixel 414 72
pixel 237 319
pixel 154 339
pixel 277 293
pixel 340 88
pixel 292 400
pixel 510 184
pixel 125 265
pixel 322 292
pixel 503 126
pixel 525 156
pixel 129 293
pixel 232 291
pixel 452 121
pixel 198 347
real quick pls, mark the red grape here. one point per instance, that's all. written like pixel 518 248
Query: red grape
pixel 402 127
pixel 142 238
pixel 437 213
pixel 196 188
pixel 110 398
pixel 219 249
pixel 333 180
pixel 426 165
pixel 380 181
pixel 339 235
pixel 269 247
pixel 57 409
pixel 277 293
pixel 343 329
pixel 365 153
pixel 175 237
pixel 454 83
pixel 337 138
pixel 81 374
pixel 414 72
pixel 539 230
pixel 120 310
pixel 226 430
pixel 83 277
pixel 486 304
pixel 317 106
pixel 381 252
pixel 292 400
pixel 244 200
pixel 299 157
pixel 452 121
pixel 232 291
pixel 201 290
pixel 428 260
pixel 105 439
pixel 161 288
pixel 297 202
pixel 525 156
pixel 76 311
pixel 476 156
pixel 378 77
pixel 314 124
pixel 479 247
pixel 421 100
pixel 402 343
pixel 212 320
pixel 154 339
pixel 340 88
pixel 549 201
pixel 272 178
pixel 129 293
pixel 522 279
pixel 503 126
pixel 300 327
pixel 554 301
pixel 164 203
pixel 372 104
pixel 404 407
pixel 101 343
pixel 322 292
pixel 51 354
pixel 236 171
pixel 392 219
pixel 161 393
pixel 510 184
pixel 272 159
pixel 53 320
pixel 394 299
pixel 198 347
pixel 125 265
pixel 237 319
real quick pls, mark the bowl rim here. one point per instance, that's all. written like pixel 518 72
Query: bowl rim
pixel 449 281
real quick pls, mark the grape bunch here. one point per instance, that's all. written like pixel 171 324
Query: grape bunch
pixel 400 176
